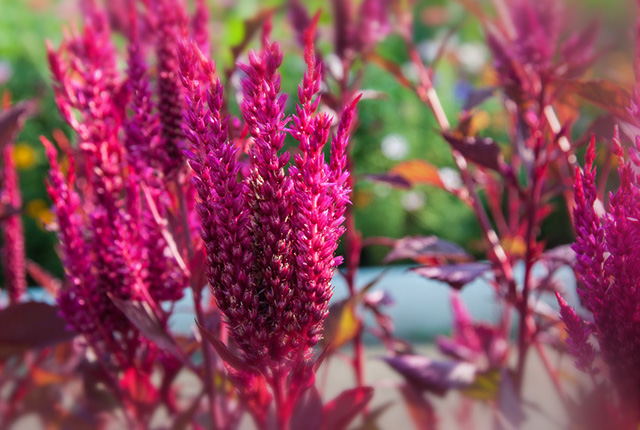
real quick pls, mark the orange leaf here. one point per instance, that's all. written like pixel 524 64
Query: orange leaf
pixel 418 172
pixel 342 324
pixel 44 377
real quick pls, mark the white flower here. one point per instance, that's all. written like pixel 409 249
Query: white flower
pixel 394 147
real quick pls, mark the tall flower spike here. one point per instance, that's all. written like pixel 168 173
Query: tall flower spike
pixel 89 95
pixel 608 263
pixel 81 314
pixel 223 210
pixel 313 208
pixel 171 27
pixel 618 318
pixel 589 245
pixel 13 257
pixel 269 195
pixel 317 216
pixel 141 128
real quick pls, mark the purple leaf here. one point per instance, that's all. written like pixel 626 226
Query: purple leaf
pixel 477 96
pixel 483 151
pixel 456 275
pixel 392 179
pixel 433 375
pixel 426 248
pixel 455 349
pixel 227 356
pixel 378 298
pixel 339 412
pixel 29 325
pixel 562 254
pixel 509 405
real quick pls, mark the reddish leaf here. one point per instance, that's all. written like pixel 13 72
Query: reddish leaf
pixel 456 275
pixel 198 269
pixel 227 356
pixel 339 412
pixel 426 248
pixel 11 121
pixel 420 409
pixel 483 151
pixel 143 318
pixel 604 94
pixel 29 325
pixel 308 412
pixel 433 375
pixel 370 421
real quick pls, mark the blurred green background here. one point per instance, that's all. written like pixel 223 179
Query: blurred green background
pixel 394 128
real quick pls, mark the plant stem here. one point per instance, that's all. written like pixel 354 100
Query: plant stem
pixel 216 419
pixel 283 413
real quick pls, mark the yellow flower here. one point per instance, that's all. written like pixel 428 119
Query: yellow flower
pixel 39 210
pixel 24 156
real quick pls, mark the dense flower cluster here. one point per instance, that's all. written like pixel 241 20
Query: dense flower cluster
pixel 112 221
pixel 608 264
pixel 270 237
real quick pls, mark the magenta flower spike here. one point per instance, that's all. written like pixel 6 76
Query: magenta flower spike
pixel 271 233
pixel 13 253
pixel 79 307
pixel 608 263
pixel 89 97
pixel 320 196
pixel 172 25
pixel 141 128
pixel 269 197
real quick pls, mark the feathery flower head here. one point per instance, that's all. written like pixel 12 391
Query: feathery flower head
pixel 608 264
pixel 271 234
